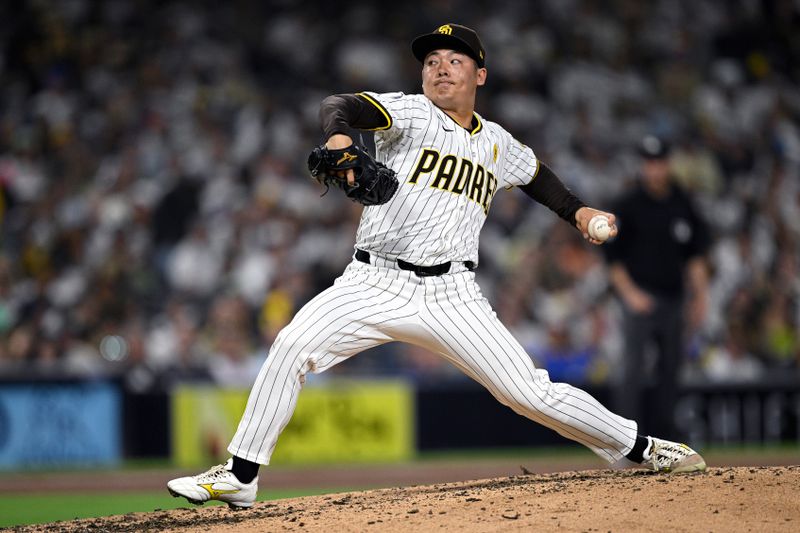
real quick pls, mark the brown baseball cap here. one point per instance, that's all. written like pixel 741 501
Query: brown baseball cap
pixel 450 37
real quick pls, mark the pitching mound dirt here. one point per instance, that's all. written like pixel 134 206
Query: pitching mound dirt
pixel 722 499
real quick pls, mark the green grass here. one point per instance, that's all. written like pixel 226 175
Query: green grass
pixel 39 508
pixel 778 449
pixel 128 465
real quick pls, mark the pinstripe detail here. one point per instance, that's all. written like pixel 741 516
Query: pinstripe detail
pixel 339 298
pixel 316 335
pixel 516 379
pixel 371 305
pixel 582 408
pixel 489 384
pixel 359 345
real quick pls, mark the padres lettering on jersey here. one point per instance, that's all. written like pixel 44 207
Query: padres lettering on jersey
pixel 448 176
pixel 457 175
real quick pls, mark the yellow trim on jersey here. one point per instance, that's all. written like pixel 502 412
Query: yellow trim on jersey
pixel 382 109
pixel 479 127
pixel 536 172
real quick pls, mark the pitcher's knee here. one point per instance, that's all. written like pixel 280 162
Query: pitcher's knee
pixel 541 378
pixel 539 397
pixel 291 342
pixel 517 402
pixel 289 353
pixel 288 336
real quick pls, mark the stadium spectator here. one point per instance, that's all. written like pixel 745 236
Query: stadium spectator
pixel 142 139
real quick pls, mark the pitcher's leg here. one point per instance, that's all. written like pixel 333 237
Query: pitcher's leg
pixel 340 322
pixel 671 355
pixel 468 333
pixel 628 394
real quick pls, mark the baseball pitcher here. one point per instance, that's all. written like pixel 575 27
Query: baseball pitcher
pixel 426 197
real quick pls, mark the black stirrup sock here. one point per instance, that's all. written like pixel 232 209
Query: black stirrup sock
pixel 244 470
pixel 637 452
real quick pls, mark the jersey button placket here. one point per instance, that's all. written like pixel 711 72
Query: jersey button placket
pixel 462 201
pixel 474 147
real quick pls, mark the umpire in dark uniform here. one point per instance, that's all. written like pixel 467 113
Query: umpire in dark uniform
pixel 658 270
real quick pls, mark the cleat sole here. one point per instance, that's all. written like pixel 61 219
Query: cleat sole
pixel 231 506
pixel 234 507
pixel 177 495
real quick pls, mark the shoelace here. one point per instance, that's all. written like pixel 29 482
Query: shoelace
pixel 214 473
pixel 664 455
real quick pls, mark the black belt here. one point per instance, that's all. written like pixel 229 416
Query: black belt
pixel 434 270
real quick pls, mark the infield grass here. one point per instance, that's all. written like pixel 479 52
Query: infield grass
pixel 39 508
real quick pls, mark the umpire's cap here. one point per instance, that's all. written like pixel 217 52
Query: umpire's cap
pixel 652 147
pixel 450 37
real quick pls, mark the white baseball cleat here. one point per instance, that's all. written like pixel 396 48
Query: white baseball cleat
pixel 218 483
pixel 667 456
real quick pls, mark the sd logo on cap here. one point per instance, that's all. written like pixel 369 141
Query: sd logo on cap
pixel 450 37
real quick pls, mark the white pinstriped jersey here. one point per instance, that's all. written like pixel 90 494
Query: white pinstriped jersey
pixel 447 175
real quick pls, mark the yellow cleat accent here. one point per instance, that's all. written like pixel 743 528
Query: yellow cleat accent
pixel 215 493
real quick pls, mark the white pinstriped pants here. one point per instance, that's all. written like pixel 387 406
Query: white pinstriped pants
pixel 368 306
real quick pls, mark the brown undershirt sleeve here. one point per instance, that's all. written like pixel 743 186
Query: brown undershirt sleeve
pixel 340 112
pixel 549 191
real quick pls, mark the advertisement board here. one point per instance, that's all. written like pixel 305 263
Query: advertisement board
pixel 338 421
pixel 57 425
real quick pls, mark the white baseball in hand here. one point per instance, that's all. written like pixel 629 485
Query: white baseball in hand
pixel 599 229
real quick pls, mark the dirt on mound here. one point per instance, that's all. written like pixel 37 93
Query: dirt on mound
pixel 721 499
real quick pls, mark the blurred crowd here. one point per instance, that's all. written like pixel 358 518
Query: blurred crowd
pixel 158 223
